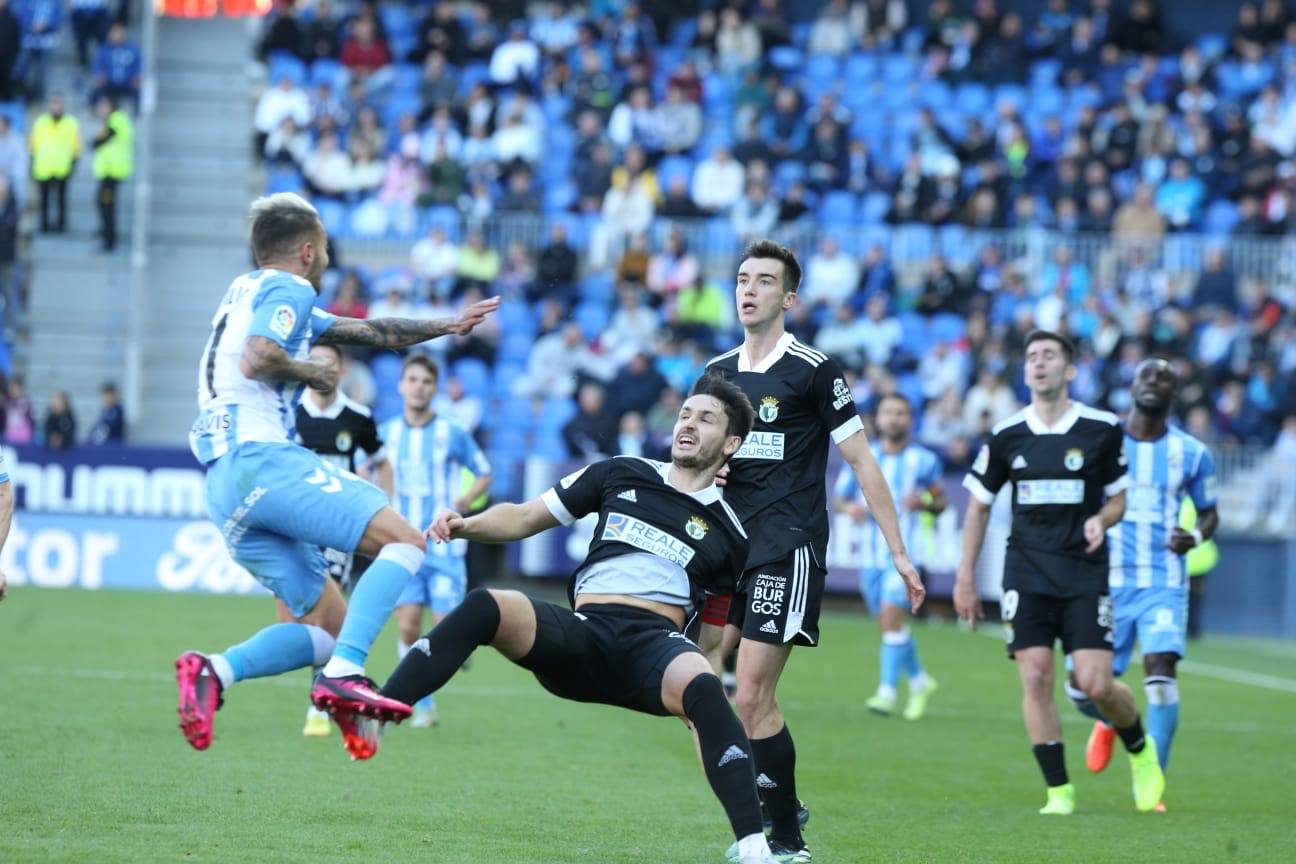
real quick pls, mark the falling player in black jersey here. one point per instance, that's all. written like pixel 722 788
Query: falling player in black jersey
pixel 665 537
pixel 330 424
pixel 778 486
pixel 1063 459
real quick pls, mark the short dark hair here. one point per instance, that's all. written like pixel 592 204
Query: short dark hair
pixel 738 408
pixel 1049 336
pixel 280 223
pixel 877 406
pixel 428 364
pixel 770 249
pixel 336 349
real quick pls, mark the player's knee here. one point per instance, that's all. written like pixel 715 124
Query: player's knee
pixel 1160 665
pixel 1037 679
pixel 753 701
pixel 1097 685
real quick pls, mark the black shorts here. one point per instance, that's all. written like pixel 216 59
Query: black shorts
pixel 779 601
pixel 1037 620
pixel 605 653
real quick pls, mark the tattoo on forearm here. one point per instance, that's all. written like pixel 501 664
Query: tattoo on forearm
pixel 384 332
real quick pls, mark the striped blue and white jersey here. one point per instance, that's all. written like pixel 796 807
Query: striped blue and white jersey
pixel 4 469
pixel 913 469
pixel 232 408
pixel 427 471
pixel 1161 473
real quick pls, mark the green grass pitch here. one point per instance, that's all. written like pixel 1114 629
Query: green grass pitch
pixel 93 769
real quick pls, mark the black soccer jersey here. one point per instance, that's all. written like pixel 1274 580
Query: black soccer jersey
pixel 338 431
pixel 1060 477
pixel 777 482
pixel 639 512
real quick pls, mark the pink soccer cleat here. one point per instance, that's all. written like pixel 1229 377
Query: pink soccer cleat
pixel 356 694
pixel 200 698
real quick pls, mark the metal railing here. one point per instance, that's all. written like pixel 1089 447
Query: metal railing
pixel 137 314
pixel 908 247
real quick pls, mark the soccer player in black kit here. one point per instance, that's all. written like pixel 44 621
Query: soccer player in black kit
pixel 778 486
pixel 1063 459
pixel 665 538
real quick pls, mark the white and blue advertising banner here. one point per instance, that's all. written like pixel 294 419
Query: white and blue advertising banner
pixel 136 518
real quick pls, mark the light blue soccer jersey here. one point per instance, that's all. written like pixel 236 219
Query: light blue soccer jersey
pixel 913 469
pixel 1161 473
pixel 4 469
pixel 427 463
pixel 234 409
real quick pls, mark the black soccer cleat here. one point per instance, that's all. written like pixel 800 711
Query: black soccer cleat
pixel 803 815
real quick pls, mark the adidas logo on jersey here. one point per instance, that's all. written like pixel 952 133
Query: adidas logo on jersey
pixel 769 627
pixel 733 754
pixel 764 782
pixel 1019 463
pixel 629 495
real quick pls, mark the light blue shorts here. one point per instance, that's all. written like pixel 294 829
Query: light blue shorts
pixel 439 584
pixel 1156 618
pixel 277 505
pixel 880 586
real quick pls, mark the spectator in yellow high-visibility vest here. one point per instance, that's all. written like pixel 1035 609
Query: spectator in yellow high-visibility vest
pixel 114 161
pixel 55 147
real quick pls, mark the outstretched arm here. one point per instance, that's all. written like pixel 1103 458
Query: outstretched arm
pixel 403 332
pixel 500 524
pixel 263 359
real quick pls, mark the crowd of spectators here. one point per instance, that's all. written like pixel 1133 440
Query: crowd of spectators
pixel 612 122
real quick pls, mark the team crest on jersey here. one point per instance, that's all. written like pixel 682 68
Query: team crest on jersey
pixel 343 441
pixel 696 527
pixel 769 409
pixel 1074 460
pixel 282 321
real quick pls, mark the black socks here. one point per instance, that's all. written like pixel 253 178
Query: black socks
pixel 1052 761
pixel 726 753
pixel 436 657
pixel 776 781
pixel 1132 736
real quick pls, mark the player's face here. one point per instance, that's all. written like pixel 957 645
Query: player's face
pixel 320 260
pixel 894 420
pixel 759 293
pixel 1154 386
pixel 701 440
pixel 417 387
pixel 1047 368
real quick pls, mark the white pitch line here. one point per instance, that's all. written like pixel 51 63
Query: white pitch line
pixel 1238 676
pixel 1208 670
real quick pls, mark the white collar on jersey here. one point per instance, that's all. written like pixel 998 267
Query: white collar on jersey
pixel 780 348
pixel 1063 425
pixel 332 412
pixel 706 495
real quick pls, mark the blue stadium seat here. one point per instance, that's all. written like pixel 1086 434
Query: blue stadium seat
pixel 912 243
pixel 406 78
pixel 474 375
pixel 471 75
pixel 822 67
pixel 1212 45
pixel 1221 217
pixel 284 180
pixel 788 172
pixel 683 31
pixel 935 95
pixel 973 99
pixel 786 58
pixel 330 72
pixel 593 318
pixel 334 216
pixel 508 370
pixel 1047 101
pixel 1013 94
pixel 550 445
pixel 909 385
pixel 838 207
pixel 946 327
pixel 674 166
pixel 898 69
pixel 17 114
pixel 445 217
pixel 577 235
pixel 556 413
pixel 1045 71
pixel 560 197
pixel 598 287
pixel 397 105
pixel 287 66
pixel 861 68
pixel 516 321
pixel 874 208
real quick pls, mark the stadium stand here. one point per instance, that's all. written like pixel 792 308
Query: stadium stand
pixel 982 172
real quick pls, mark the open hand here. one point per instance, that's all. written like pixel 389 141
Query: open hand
pixel 473 315
pixel 966 602
pixel 913 582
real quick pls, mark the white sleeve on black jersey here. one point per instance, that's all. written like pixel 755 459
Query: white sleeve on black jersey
pixel 988 473
pixel 578 494
pixel 834 402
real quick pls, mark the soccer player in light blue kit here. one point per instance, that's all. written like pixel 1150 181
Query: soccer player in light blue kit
pixel 6 515
pixel 278 503
pixel 913 474
pixel 428 454
pixel 1149 583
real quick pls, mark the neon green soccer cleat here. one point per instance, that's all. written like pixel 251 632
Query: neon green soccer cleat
pixel 883 706
pixel 1149 781
pixel 916 707
pixel 317 724
pixel 1061 801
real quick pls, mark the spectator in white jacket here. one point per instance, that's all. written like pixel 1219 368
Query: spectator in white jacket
pixel 717 182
